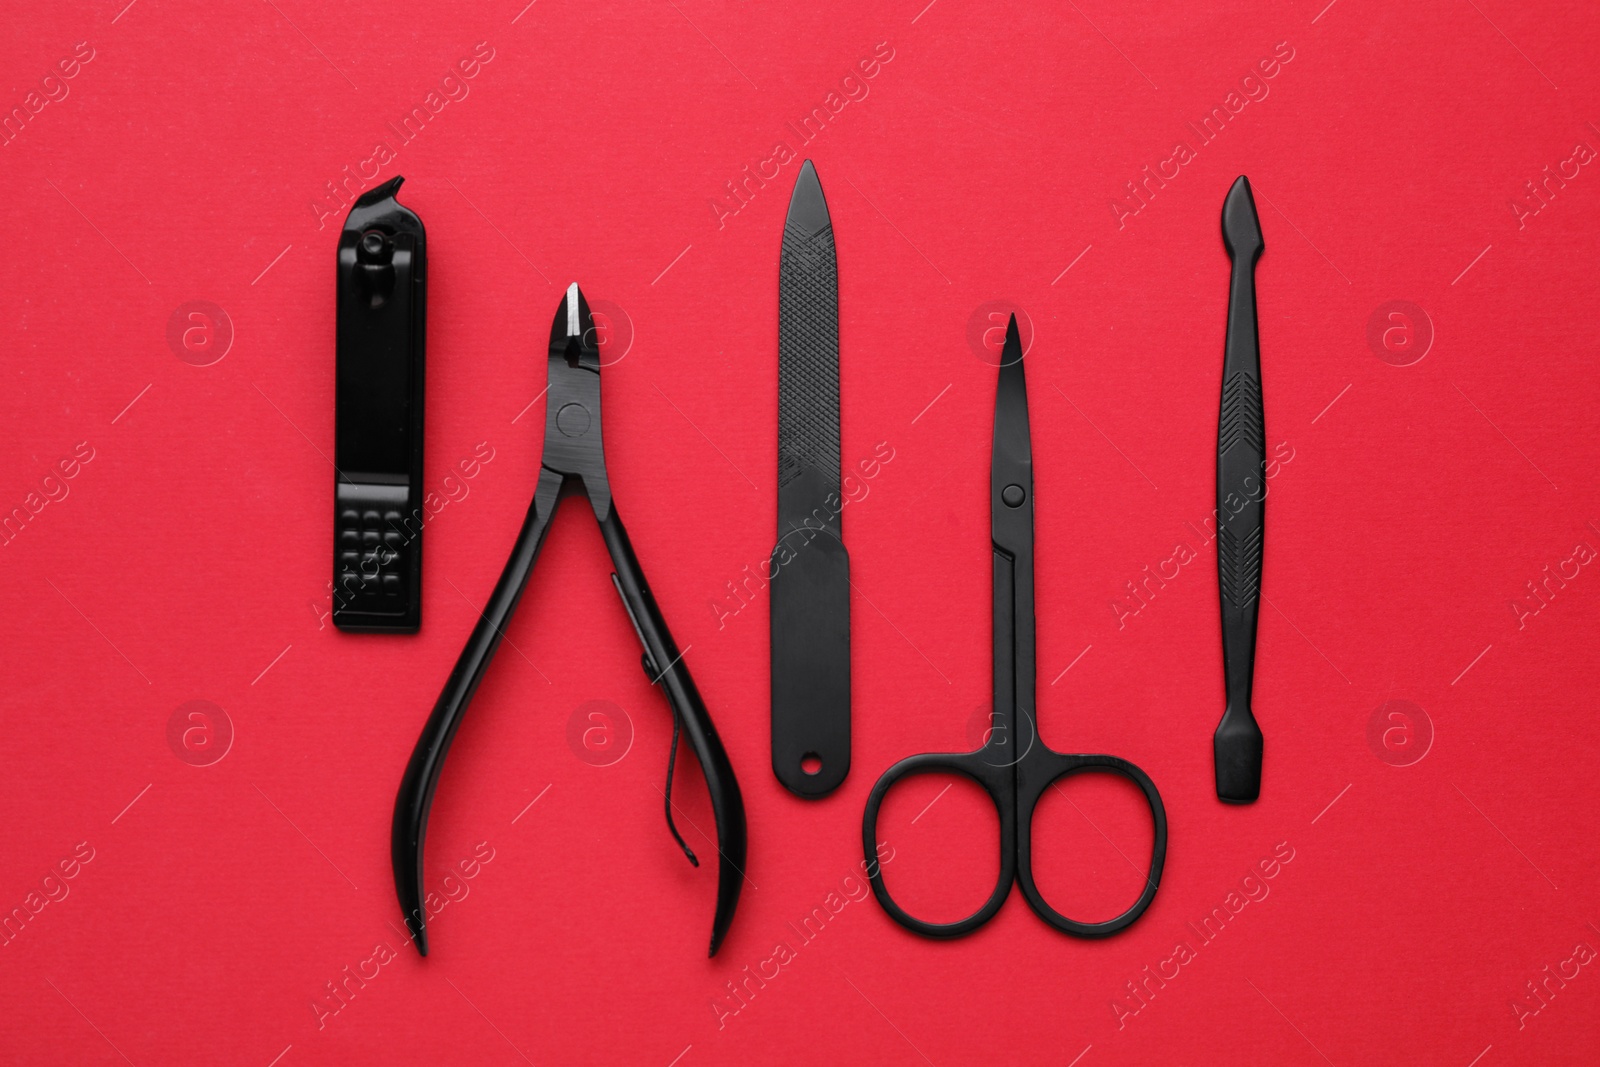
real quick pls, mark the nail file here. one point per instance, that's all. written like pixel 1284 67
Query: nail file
pixel 809 568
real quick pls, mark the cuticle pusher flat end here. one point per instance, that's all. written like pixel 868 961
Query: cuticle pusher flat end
pixel 1237 749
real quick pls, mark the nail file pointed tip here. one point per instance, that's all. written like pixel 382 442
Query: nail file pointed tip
pixel 1241 226
pixel 808 208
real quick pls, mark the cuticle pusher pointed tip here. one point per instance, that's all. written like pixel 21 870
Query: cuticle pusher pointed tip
pixel 1241 225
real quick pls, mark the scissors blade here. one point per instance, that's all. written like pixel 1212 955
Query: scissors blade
pixel 1011 498
pixel 1011 522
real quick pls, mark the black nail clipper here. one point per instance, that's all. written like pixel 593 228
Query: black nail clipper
pixel 377 521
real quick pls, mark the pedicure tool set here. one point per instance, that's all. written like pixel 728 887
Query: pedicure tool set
pixel 381 302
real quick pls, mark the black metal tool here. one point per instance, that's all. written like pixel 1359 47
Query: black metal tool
pixel 1241 504
pixel 377 457
pixel 1013 765
pixel 810 569
pixel 574 461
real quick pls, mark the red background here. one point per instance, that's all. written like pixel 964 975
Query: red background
pixel 189 559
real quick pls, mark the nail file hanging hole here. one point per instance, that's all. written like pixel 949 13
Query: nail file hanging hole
pixel 811 763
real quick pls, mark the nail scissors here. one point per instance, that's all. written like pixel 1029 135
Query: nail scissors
pixel 574 460
pixel 1012 765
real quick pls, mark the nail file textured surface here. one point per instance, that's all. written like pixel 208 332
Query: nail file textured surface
pixel 809 567
pixel 808 360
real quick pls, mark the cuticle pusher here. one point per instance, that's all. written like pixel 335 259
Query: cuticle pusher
pixel 1241 504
